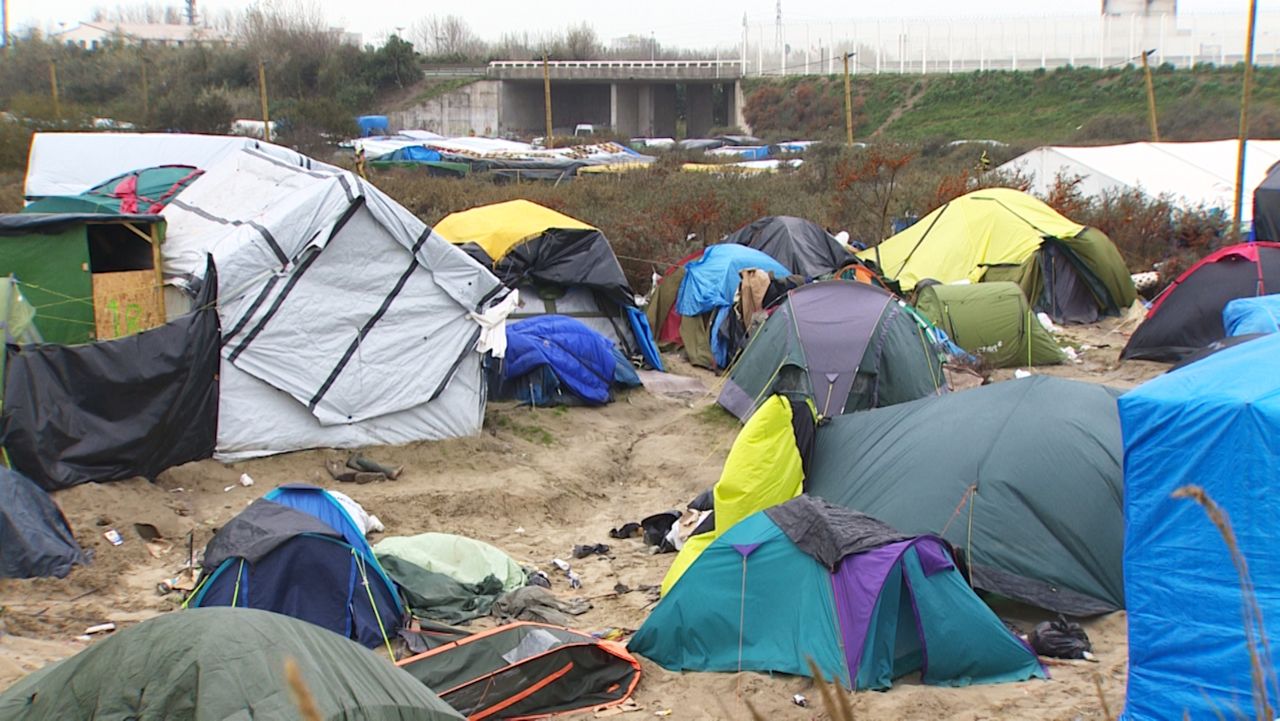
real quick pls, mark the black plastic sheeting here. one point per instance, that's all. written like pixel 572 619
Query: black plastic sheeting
pixel 35 539
pixel 115 409
pixel 830 533
pixel 801 245
pixel 564 257
pixel 260 529
pixel 49 223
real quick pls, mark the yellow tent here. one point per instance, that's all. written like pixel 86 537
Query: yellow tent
pixel 500 227
pixel 960 240
pixel 764 468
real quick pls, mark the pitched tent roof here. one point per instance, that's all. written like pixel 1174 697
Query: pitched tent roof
pixel 499 227
pixel 560 265
pixel 1195 174
pixel 799 244
pixel 1034 463
pixel 296 552
pixel 527 670
pixel 841 344
pixel 1187 315
pixel 72 163
pixel 808 580
pixel 999 234
pixel 35 539
pixel 991 320
pixel 1211 424
pixel 213 664
pixel 316 354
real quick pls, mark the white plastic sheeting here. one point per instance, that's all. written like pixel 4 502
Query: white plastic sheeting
pixel 71 163
pixel 346 321
pixel 1193 174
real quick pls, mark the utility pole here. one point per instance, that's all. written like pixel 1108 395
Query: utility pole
pixel 4 24
pixel 146 96
pixel 1244 117
pixel 546 99
pixel 848 102
pixel 1151 97
pixel 262 95
pixel 53 87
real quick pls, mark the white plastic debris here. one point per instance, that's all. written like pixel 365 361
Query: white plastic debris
pixel 1021 374
pixel 100 628
pixel 1047 322
pixel 1071 353
pixel 246 480
pixel 367 522
pixel 227 489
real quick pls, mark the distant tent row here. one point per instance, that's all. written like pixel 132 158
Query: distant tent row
pixel 1073 273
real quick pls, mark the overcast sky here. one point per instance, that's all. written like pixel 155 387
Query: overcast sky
pixel 683 23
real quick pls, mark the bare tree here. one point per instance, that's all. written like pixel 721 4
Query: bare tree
pixel 581 43
pixel 446 36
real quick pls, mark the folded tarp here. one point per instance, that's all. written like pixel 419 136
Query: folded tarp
pixel 35 539
pixel 115 409
pixel 1246 316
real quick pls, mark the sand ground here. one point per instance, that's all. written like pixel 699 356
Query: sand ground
pixel 534 483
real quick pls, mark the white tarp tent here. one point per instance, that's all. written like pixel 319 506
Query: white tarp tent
pixel 346 321
pixel 71 163
pixel 1193 174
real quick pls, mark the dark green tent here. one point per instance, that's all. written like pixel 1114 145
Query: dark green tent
pixel 1023 477
pixel 991 320
pixel 221 664
pixel 846 345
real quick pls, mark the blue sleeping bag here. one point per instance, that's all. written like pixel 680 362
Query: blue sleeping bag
pixel 577 358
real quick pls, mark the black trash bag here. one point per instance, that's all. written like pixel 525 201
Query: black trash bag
pixel 1060 639
pixel 656 528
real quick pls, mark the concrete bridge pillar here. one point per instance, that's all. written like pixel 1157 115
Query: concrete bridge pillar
pixel 624 109
pixel 698 110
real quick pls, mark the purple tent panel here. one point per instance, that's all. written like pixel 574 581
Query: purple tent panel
pixel 834 334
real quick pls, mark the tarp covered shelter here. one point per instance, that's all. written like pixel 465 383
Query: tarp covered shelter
pixel 559 265
pixel 446 577
pixel 1213 424
pixel 346 321
pixel 35 539
pixel 527 671
pixel 801 245
pixel 1187 315
pixel 115 409
pixel 1033 465
pixel 806 580
pixel 145 191
pixel 89 275
pixel 1073 273
pixel 1250 316
pixel 72 163
pixel 703 301
pixel 1197 174
pixel 557 360
pixel 297 552
pixel 221 664
pixel 992 321
pixel 844 345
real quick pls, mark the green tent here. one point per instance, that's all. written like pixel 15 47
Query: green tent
pixel 139 191
pixel 808 580
pixel 89 276
pixel 1023 476
pixel 845 345
pixel 991 320
pixel 221 664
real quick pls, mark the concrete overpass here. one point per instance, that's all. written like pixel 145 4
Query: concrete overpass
pixel 633 97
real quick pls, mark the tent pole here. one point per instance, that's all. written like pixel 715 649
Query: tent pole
pixel 1244 119
pixel 1151 97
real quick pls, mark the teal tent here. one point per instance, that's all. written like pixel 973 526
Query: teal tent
pixel 146 191
pixel 809 580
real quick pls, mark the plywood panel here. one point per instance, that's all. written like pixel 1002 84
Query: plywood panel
pixel 126 302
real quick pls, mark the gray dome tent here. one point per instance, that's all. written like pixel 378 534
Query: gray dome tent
pixel 801 245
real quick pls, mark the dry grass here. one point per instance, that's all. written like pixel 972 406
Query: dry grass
pixel 306 703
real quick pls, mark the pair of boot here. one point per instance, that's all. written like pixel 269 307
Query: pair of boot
pixel 362 470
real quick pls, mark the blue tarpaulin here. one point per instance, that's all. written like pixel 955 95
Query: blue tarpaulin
pixel 1216 424
pixel 581 360
pixel 1243 316
pixel 411 154
pixel 710 281
pixel 372 125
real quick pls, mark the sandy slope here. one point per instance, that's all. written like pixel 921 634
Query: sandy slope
pixel 534 483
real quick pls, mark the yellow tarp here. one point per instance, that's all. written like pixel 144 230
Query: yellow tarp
pixel 996 226
pixel 763 469
pixel 500 227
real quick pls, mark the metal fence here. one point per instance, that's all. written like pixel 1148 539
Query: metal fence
pixel 963 44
